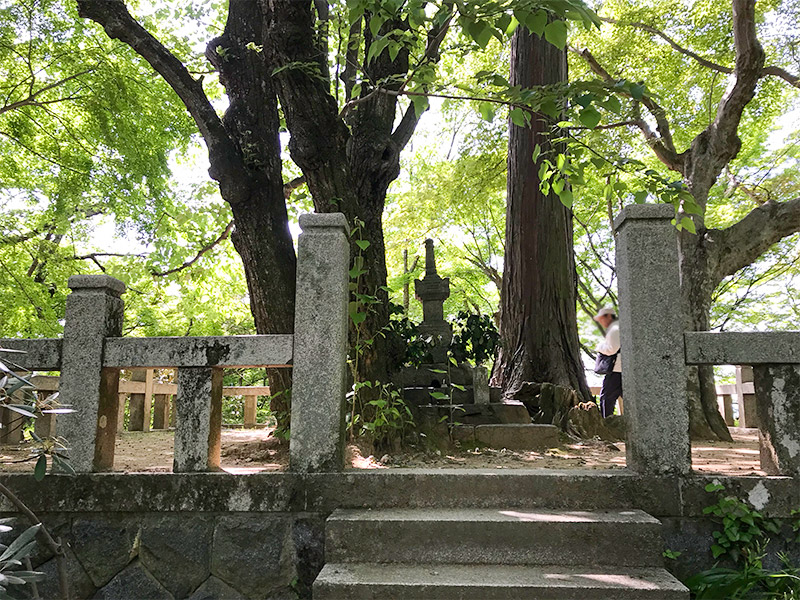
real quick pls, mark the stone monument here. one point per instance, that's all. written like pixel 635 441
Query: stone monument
pixel 432 290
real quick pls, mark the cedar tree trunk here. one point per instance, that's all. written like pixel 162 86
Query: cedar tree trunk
pixel 538 322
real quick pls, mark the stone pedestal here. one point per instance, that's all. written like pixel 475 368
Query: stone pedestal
pixel 199 420
pixel 651 332
pixel 93 312
pixel 320 345
pixel 778 392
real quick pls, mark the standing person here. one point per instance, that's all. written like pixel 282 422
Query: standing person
pixel 608 361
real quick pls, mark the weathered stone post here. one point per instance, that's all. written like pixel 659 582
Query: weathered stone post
pixel 748 411
pixel 198 424
pixel 778 393
pixel 651 331
pixel 161 411
pixel 140 404
pixel 94 311
pixel 320 344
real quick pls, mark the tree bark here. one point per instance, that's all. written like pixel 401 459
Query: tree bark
pixel 538 321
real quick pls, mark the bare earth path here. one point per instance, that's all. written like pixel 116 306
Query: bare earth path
pixel 252 451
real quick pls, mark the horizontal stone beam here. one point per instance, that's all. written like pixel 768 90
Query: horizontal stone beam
pixel 733 348
pixel 42 355
pixel 239 351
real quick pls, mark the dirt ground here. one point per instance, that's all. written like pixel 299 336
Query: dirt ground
pixel 253 451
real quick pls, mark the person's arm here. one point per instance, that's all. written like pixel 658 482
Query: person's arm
pixel 610 345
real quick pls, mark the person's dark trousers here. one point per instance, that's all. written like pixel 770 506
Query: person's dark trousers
pixel 611 390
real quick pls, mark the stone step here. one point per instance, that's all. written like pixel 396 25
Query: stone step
pixel 362 581
pixel 512 436
pixel 495 536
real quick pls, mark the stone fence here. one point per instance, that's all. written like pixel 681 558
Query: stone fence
pixel 92 352
pixel 657 352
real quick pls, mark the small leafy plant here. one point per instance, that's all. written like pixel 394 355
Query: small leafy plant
pixel 18 395
pixel 743 540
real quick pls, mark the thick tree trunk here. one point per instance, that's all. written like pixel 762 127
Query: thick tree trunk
pixel 705 420
pixel 538 322
pixel 261 235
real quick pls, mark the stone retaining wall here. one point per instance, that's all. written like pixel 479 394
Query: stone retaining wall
pixel 261 536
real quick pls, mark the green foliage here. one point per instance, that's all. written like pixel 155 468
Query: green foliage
pixel 390 419
pixel 475 338
pixel 14 560
pixel 18 395
pixel 743 540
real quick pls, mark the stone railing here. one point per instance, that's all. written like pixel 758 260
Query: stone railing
pixel 92 352
pixel 657 353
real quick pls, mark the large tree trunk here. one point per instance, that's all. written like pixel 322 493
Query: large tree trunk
pixel 261 236
pixel 243 151
pixel 538 322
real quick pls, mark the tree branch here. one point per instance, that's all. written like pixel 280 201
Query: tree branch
pixel 775 71
pixel 663 146
pixel 740 244
pixel 749 63
pixel 402 134
pixel 223 236
pixel 292 185
pixel 224 155
pixel 31 99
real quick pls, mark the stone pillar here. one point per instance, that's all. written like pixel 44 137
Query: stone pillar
pixel 139 407
pixel 432 291
pixel 748 411
pixel 480 385
pixel 11 424
pixel 727 409
pixel 250 411
pixel 94 311
pixel 198 425
pixel 121 412
pixel 778 391
pixel 161 411
pixel 320 344
pixel 651 332
pixel 45 425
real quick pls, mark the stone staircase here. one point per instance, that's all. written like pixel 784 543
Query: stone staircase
pixel 488 554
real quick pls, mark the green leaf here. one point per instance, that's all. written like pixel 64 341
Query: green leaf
pixel 358 317
pixel 16 551
pixel 687 224
pixel 487 110
pixel 394 50
pixel 420 104
pixel 363 244
pixel 40 470
pixel 589 117
pixel 640 196
pixel 535 22
pixel 439 396
pixel 566 198
pixel 537 152
pixel 517 116
pixel 556 33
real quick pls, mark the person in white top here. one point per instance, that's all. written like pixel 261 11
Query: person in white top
pixel 612 382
